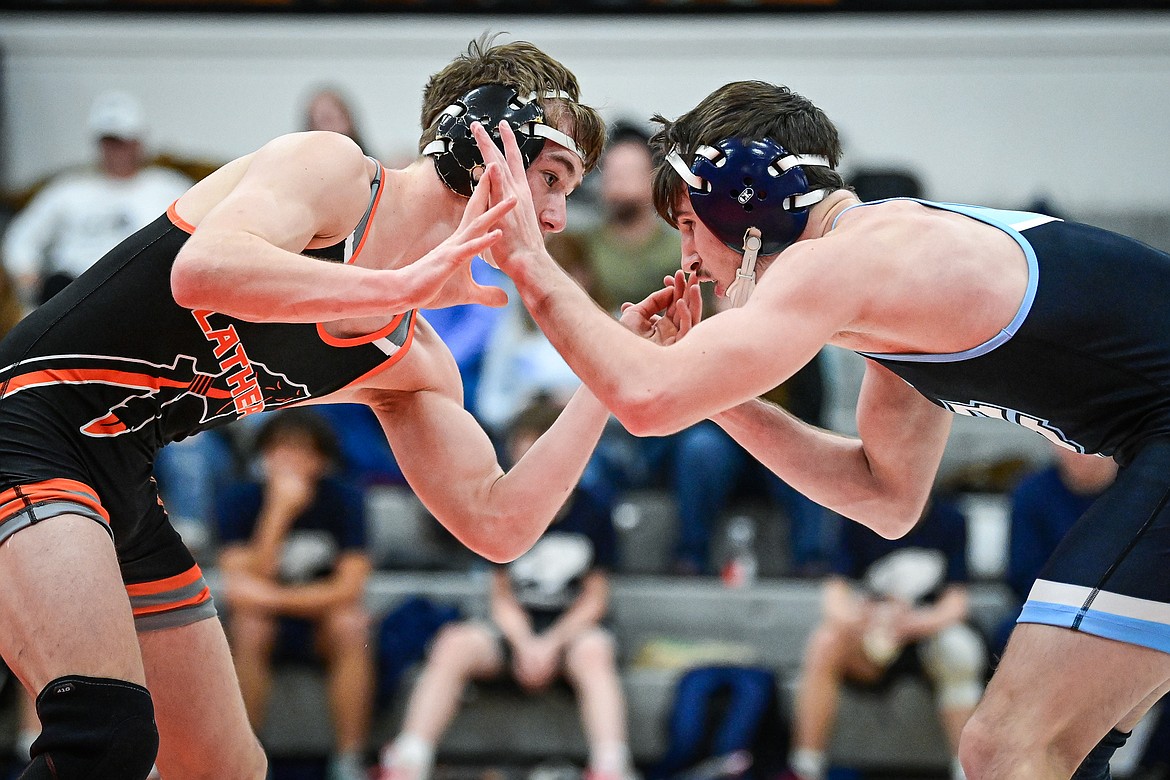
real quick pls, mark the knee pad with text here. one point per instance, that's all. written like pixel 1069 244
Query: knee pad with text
pixel 93 727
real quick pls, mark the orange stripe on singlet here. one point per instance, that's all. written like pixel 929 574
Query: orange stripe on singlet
pixel 80 376
pixel 177 582
pixel 177 221
pixel 335 341
pixel 170 583
pixel 20 497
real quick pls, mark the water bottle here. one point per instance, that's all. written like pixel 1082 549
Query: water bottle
pixel 742 566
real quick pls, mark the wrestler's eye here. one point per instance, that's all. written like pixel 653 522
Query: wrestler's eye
pixel 550 179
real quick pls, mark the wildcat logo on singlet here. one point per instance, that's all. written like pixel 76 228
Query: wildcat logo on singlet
pixel 1031 422
pixel 241 386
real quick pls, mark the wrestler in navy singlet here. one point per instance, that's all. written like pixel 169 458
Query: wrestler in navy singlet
pixel 1086 363
pixel 95 381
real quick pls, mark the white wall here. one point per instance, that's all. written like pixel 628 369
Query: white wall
pixel 991 108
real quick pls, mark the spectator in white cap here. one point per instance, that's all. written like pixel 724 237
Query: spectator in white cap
pixel 80 215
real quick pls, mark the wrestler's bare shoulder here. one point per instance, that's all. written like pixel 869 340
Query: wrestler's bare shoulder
pixel 324 150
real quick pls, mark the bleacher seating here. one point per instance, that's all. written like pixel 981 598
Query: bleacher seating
pixel 767 622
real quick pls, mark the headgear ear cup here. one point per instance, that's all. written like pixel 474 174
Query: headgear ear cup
pixel 458 159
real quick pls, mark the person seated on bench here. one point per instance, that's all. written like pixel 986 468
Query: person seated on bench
pixel 295 571
pixel 547 620
pixel 892 606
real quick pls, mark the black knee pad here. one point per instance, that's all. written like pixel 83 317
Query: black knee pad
pixel 93 728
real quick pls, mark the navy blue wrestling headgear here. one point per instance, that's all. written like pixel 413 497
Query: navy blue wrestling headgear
pixel 753 195
pixel 457 158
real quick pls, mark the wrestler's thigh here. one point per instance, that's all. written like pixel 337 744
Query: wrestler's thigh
pixel 63 607
pixel 197 702
pixel 1069 688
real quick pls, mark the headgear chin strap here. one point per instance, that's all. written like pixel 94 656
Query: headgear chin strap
pixel 457 158
pixel 753 196
pixel 745 277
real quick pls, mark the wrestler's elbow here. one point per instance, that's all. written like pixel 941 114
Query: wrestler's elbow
pixel 499 538
pixel 894 518
pixel 644 413
pixel 192 279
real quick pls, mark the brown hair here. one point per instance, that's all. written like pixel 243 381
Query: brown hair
pixel 521 65
pixel 747 110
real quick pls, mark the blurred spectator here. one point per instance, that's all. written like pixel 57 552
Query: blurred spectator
pixel 893 606
pixel 632 249
pixel 1044 507
pixel 79 216
pixel 191 473
pixel 295 572
pixel 547 619
pixel 12 310
pixel 880 183
pixel 710 468
pixel 329 108
pixel 520 364
pixel 467 329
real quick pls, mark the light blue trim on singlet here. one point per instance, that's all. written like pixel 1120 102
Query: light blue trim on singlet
pixel 1146 633
pixel 1007 221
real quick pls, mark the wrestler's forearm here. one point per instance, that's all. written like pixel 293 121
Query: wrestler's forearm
pixel 827 467
pixel 608 358
pixel 454 468
pixel 250 279
pixel 548 473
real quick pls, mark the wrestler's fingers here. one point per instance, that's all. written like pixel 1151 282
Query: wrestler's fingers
pixel 655 301
pixel 511 149
pixel 487 147
pixel 685 320
pixel 491 216
pixel 694 298
pixel 473 245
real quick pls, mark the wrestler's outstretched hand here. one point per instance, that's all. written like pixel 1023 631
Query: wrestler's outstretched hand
pixel 442 277
pixel 668 314
pixel 504 179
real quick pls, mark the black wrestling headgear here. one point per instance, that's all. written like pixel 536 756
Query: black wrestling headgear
pixel 457 158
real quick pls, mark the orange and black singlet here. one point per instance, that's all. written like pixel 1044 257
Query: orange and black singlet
pixel 114 355
pixel 109 370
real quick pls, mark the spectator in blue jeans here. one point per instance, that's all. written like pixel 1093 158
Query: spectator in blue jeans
pixel 706 467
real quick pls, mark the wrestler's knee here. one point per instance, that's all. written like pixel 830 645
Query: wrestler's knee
pixel 993 744
pixel 93 728
pixel 239 757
